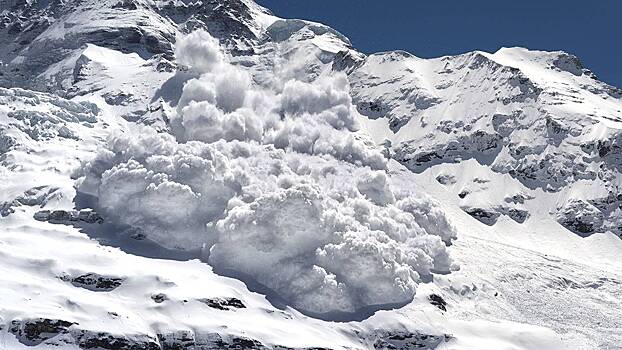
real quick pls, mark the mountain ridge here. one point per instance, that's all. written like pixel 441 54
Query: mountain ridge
pixel 371 176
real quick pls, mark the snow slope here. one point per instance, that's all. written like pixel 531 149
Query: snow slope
pixel 209 176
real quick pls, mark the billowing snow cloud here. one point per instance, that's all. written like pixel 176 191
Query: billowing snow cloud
pixel 275 184
pixel 200 51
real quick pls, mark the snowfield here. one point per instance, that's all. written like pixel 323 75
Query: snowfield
pixel 209 176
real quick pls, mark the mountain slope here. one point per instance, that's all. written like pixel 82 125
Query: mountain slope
pixel 259 183
pixel 539 117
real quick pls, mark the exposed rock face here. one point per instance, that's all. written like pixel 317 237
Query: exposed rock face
pixel 484 215
pixel 33 42
pixel 95 282
pixel 438 301
pixel 506 111
pixel 41 117
pixel 6 142
pixel 99 340
pixel 36 196
pixel 446 179
pixel 479 145
pixel 490 215
pixel 224 304
pixel 62 333
pixel 517 215
pixel 405 341
pixel 580 217
pixel 69 216
pixel 35 331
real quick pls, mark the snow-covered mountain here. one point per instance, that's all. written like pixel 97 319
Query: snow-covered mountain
pixel 206 175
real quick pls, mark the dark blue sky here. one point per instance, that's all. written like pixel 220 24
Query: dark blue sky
pixel 590 29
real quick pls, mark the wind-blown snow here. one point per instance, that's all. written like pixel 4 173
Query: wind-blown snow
pixel 262 185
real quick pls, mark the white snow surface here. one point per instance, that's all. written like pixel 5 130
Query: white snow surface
pixel 266 163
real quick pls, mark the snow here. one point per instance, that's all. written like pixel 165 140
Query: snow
pixel 330 193
pixel 200 51
pixel 334 248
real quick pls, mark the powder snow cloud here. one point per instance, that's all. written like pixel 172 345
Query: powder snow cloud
pixel 275 184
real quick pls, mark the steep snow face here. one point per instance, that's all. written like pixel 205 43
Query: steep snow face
pixel 539 117
pixel 465 193
pixel 37 35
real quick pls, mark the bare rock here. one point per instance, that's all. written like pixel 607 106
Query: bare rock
pixel 69 216
pixel 224 303
pixel 95 282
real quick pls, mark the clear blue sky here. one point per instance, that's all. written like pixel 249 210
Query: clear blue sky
pixel 590 29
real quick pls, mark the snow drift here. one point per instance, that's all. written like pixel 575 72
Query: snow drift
pixel 273 182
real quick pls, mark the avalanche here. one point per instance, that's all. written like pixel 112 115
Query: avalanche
pixel 205 175
pixel 258 179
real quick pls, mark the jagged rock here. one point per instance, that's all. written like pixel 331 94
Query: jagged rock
pixel 69 216
pixel 407 341
pixel 39 195
pixel 35 331
pixel 518 198
pixel 162 64
pixel 40 117
pixel 67 133
pixel 438 301
pixel 505 124
pixel 372 110
pixel 479 145
pixel 126 26
pixel 347 61
pixel 177 341
pixel 7 142
pixel 183 340
pixel 101 340
pixel 483 215
pixel 518 215
pixel 89 216
pixel 239 343
pixel 490 215
pixel 463 194
pixel 95 282
pixel 446 179
pixel 118 98
pixel 555 129
pixel 580 217
pixel 159 298
pixel 36 196
pixel 569 63
pixel 223 303
pixel 7 208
